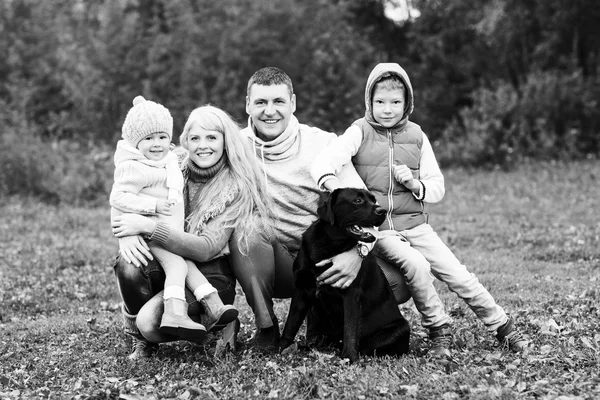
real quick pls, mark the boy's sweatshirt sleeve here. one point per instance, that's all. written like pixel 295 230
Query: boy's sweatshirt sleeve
pixel 124 196
pixel 335 155
pixel 431 176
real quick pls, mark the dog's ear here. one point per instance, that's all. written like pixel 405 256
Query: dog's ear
pixel 325 209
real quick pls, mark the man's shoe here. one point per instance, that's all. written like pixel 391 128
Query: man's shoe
pixel 142 349
pixel 440 340
pixel 266 339
pixel 511 338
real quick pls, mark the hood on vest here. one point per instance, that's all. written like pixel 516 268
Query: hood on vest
pixel 383 70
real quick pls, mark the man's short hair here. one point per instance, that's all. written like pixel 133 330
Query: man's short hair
pixel 269 76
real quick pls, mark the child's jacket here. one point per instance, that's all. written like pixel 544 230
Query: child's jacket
pixel 139 183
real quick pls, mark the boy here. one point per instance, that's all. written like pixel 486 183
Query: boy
pixel 395 160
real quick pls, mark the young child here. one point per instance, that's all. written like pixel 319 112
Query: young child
pixel 396 161
pixel 148 181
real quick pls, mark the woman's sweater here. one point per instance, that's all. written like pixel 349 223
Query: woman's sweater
pixel 201 246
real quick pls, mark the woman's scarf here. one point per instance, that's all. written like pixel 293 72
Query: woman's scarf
pixel 228 190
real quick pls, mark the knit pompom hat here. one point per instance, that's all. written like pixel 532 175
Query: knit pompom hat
pixel 144 118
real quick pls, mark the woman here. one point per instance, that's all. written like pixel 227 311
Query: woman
pixel 224 200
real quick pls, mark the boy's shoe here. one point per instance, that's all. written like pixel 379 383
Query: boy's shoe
pixel 511 338
pixel 440 340
pixel 142 349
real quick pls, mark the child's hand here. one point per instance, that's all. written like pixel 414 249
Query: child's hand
pixel 404 176
pixel 164 207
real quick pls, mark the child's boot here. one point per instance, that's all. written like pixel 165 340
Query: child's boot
pixel 218 314
pixel 175 321
pixel 511 338
pixel 440 339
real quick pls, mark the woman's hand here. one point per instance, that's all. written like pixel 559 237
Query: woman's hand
pixel 132 224
pixel 134 250
pixel 344 270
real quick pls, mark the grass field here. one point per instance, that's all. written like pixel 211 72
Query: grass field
pixel 530 235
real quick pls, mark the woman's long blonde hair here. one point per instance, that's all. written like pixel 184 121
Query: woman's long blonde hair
pixel 249 209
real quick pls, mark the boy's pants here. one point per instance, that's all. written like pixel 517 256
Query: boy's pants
pixel 419 252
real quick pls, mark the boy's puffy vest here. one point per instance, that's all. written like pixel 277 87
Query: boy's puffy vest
pixel 374 160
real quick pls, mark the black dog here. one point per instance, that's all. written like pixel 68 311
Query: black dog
pixel 365 316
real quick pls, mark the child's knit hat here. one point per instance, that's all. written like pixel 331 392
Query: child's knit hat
pixel 144 118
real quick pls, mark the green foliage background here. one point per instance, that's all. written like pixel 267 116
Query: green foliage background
pixel 496 81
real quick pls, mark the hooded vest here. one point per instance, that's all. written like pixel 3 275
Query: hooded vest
pixel 374 160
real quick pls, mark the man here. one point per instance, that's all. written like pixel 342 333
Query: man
pixel 287 149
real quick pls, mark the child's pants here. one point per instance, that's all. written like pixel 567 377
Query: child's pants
pixel 419 251
pixel 175 267
pixel 179 271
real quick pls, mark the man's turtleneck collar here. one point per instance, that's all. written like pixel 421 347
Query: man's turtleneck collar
pixel 283 146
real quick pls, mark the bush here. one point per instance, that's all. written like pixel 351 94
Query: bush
pixel 552 116
pixel 54 171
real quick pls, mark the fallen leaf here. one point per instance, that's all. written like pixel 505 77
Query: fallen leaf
pixel 587 342
pixel 131 397
pixel 410 390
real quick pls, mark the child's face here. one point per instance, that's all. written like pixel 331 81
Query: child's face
pixel 388 106
pixel 155 146
pixel 205 147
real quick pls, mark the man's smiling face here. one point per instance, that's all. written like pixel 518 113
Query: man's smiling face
pixel 270 108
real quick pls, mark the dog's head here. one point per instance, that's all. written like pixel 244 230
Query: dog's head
pixel 352 210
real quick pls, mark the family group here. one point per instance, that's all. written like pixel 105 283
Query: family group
pixel 230 205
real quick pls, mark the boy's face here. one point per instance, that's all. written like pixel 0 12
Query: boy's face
pixel 155 146
pixel 388 105
pixel 205 147
pixel 270 108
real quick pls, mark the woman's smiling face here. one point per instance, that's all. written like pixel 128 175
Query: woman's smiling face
pixel 205 147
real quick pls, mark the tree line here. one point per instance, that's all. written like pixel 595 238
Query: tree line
pixel 495 80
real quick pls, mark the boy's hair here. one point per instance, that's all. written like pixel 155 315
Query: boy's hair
pixel 249 210
pixel 390 82
pixel 270 76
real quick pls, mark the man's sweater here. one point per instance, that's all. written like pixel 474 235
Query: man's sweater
pixel 286 163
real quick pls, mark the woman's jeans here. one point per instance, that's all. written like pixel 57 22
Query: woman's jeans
pixel 141 291
pixel 418 253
